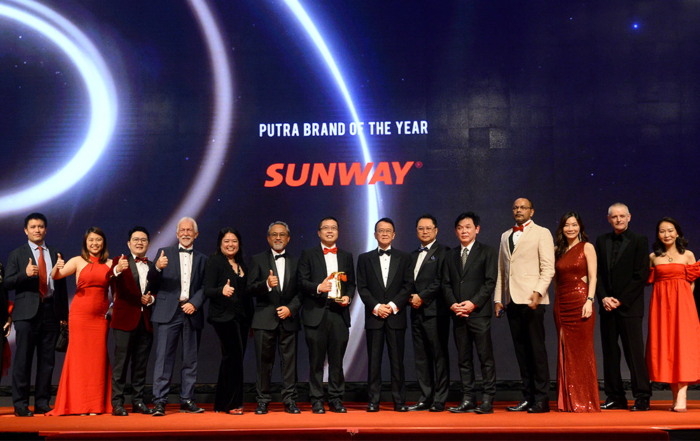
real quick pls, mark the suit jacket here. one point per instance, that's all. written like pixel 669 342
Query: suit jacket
pixel 168 282
pixel 311 272
pixel 428 282
pixel 529 268
pixel 126 290
pixel 626 279
pixel 267 301
pixel 476 283
pixel 27 297
pixel 370 285
pixel 3 299
pixel 221 308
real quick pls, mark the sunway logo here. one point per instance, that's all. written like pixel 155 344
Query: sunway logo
pixel 322 174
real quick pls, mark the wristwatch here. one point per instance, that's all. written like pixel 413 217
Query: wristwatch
pixel 589 298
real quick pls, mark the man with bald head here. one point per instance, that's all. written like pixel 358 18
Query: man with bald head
pixel 525 270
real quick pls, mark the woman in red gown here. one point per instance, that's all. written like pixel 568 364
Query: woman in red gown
pixel 85 380
pixel 575 280
pixel 673 344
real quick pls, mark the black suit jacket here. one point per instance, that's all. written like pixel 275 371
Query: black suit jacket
pixel 3 300
pixel 311 272
pixel 27 297
pixel 221 308
pixel 428 283
pixel 267 302
pixel 625 280
pixel 476 283
pixel 370 285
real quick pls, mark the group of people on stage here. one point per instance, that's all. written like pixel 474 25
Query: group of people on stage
pixel 162 302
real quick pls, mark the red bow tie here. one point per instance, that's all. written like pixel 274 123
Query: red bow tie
pixel 518 228
pixel 333 250
pixel 141 259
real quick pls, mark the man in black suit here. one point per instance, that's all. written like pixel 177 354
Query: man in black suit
pixel 131 321
pixel 5 318
pixel 272 280
pixel 623 269
pixel 326 321
pixel 468 281
pixel 429 325
pixel 177 312
pixel 384 282
pixel 41 305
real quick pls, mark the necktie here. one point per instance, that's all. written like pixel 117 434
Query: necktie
pixel 43 279
pixel 141 259
pixel 182 250
pixel 279 256
pixel 333 250
pixel 383 252
pixel 465 254
pixel 518 228
pixel 421 249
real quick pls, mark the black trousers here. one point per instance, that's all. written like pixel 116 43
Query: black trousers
pixel 627 330
pixel 233 338
pixel 469 333
pixel 430 338
pixel 396 342
pixel 267 342
pixel 134 346
pixel 329 338
pixel 36 334
pixel 527 331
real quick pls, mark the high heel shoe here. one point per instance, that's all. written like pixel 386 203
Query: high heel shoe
pixel 679 409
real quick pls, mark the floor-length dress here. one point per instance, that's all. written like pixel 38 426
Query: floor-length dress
pixel 673 344
pixel 577 376
pixel 85 380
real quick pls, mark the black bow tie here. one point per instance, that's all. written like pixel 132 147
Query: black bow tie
pixel 617 238
pixel 383 252
pixel 183 250
pixel 421 249
pixel 279 256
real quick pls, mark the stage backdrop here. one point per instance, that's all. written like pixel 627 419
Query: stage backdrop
pixel 241 113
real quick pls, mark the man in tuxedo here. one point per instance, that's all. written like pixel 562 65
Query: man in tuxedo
pixel 40 306
pixel 326 321
pixel 131 321
pixel 468 281
pixel 525 270
pixel 429 327
pixel 272 280
pixel 623 269
pixel 384 283
pixel 177 312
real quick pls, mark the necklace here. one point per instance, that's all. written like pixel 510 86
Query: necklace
pixel 670 259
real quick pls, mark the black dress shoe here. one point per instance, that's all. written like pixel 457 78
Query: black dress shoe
pixel 317 407
pixel 262 409
pixel 437 407
pixel 419 406
pixel 337 406
pixel 539 407
pixel 291 407
pixel 41 410
pixel 523 406
pixel 159 409
pixel 640 405
pixel 372 407
pixel 464 406
pixel 119 411
pixel 189 406
pixel 23 412
pixel 141 408
pixel 400 408
pixel 613 404
pixel 485 407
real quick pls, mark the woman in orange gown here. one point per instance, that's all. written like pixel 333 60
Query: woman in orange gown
pixel 85 380
pixel 673 344
pixel 575 281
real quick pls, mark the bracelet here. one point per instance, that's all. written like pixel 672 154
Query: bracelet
pixel 589 298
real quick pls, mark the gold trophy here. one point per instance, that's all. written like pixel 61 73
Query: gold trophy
pixel 336 292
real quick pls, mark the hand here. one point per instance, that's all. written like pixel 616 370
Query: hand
pixel 123 264
pixel 32 270
pixel 228 289
pixel 60 263
pixel 587 310
pixel 384 311
pixel 162 261
pixel 416 301
pixel 325 286
pixel 344 301
pixel 610 303
pixel 535 298
pixel 8 327
pixel 146 298
pixel 499 310
pixel 459 309
pixel 272 280
pixel 283 312
pixel 468 306
pixel 188 308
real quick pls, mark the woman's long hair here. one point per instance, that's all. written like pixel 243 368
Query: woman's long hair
pixel 238 258
pixel 562 243
pixel 681 241
pixel 104 254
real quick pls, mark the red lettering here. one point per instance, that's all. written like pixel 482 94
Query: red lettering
pixel 401 171
pixel 302 179
pixel 382 173
pixel 326 177
pixel 273 171
pixel 346 176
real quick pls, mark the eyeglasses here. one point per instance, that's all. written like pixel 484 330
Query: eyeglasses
pixel 329 228
pixel 521 207
pixel 280 235
pixel 385 231
pixel 139 240
pixel 425 229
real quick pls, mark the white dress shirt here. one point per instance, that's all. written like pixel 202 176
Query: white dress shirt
pixel 281 265
pixel 421 258
pixel 185 273
pixel 384 263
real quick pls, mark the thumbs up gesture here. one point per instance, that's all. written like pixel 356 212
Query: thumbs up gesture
pixel 60 263
pixel 325 286
pixel 32 270
pixel 146 299
pixel 228 289
pixel 162 261
pixel 123 264
pixel 272 280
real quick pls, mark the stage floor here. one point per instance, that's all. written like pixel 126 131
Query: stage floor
pixel 358 424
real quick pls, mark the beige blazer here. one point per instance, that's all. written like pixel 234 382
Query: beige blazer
pixel 530 267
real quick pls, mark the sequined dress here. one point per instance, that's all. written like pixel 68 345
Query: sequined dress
pixel 577 376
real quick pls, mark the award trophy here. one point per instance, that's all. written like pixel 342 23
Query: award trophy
pixel 336 292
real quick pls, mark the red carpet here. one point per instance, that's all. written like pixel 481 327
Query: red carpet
pixel 358 424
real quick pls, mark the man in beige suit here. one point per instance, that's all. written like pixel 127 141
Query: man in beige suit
pixel 525 269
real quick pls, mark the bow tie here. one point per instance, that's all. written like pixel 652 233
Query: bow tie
pixel 182 250
pixel 518 228
pixel 421 249
pixel 333 250
pixel 279 256
pixel 617 238
pixel 141 259
pixel 383 252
